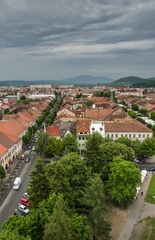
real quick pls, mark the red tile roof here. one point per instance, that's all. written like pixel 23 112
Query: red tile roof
pixel 83 126
pixel 135 126
pixel 53 130
pixel 3 150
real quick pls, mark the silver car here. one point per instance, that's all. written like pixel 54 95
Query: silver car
pixel 23 209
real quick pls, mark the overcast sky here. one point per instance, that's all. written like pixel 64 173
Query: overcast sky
pixel 56 39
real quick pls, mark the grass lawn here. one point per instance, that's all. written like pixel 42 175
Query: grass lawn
pixel 151 191
pixel 144 229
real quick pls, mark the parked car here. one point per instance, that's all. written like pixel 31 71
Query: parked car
pixel 151 169
pixel 19 213
pixel 22 157
pixel 23 209
pixel 27 159
pixel 17 183
pixel 136 160
pixel 25 195
pixel 25 202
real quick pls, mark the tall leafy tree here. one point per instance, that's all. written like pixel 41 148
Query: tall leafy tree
pixel 12 235
pixel 70 142
pixel 56 147
pixel 60 225
pixel 72 172
pixel 42 143
pixel 93 150
pixel 108 151
pixel 94 201
pixel 39 184
pixel 147 147
pixel 2 172
pixel 124 177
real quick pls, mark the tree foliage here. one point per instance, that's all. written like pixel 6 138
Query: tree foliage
pixel 39 184
pixel 42 144
pixel 70 142
pixel 2 172
pixel 93 150
pixel 132 114
pixel 63 224
pixel 124 177
pixel 72 172
pixel 153 116
pixel 94 201
pixel 12 235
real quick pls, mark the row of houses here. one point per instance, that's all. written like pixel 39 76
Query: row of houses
pixel 12 130
pixel 110 120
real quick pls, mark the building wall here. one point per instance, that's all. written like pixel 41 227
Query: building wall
pixel 132 135
pixel 97 126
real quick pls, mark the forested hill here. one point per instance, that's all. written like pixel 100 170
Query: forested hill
pixel 128 81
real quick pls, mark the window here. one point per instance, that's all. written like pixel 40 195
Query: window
pixel 116 135
pixel 81 132
pixel 121 135
pixel 93 129
pixel 83 138
pixel 79 138
pixel 79 144
pixel 83 145
pixel 143 135
pixel 126 135
pixel 139 135
pixel 134 135
pixel 147 135
pixel 130 135
pixel 111 135
pixel 101 129
pixel 85 132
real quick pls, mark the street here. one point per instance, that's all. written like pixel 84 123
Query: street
pixel 10 199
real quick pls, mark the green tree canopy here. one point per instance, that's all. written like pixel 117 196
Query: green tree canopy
pixel 72 172
pixel 55 147
pixel 153 116
pixel 62 226
pixel 94 201
pixel 132 114
pixel 6 111
pixel 42 144
pixel 39 184
pixel 147 147
pixel 108 151
pixel 12 235
pixel 135 107
pixel 70 142
pixel 93 150
pixel 89 103
pixel 2 172
pixel 124 177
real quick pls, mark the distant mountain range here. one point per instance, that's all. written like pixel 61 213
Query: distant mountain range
pixel 87 80
pixel 79 80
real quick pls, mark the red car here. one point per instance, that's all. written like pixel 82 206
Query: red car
pixel 25 202
pixel 22 157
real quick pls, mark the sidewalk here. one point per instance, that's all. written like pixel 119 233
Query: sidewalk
pixel 138 210
pixel 10 170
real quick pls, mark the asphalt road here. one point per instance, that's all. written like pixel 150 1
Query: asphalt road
pixel 10 199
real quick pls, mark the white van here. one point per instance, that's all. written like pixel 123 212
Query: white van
pixel 17 183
